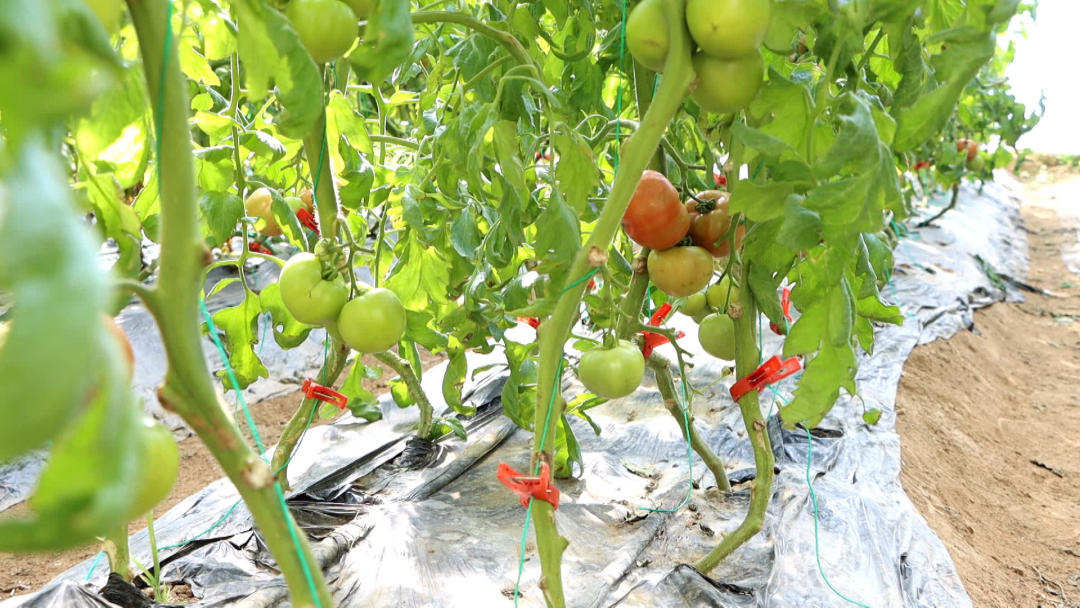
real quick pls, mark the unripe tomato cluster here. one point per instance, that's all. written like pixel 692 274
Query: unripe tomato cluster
pixel 315 293
pixel 728 35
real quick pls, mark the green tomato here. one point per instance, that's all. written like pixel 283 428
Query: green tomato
pixel 718 294
pixel 728 29
pixel 162 460
pixel 373 322
pixel 681 271
pixel 701 316
pixel 695 305
pixel 976 164
pixel 726 86
pixel 362 8
pixel 717 336
pixel 612 372
pixel 327 28
pixel 647 34
pixel 259 204
pixel 309 297
pixel 108 13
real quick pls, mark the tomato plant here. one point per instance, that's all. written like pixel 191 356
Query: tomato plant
pixel 372 322
pixel 716 333
pixel 727 85
pixel 612 372
pixel 327 28
pixel 312 294
pixel 728 29
pixel 655 218
pixel 477 160
pixel 647 34
pixel 681 271
pixel 162 458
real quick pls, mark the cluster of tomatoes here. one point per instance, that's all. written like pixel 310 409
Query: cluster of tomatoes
pixel 686 240
pixel 728 34
pixel 328 28
pixel 314 291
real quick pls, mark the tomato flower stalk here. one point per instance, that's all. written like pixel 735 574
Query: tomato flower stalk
pixel 188 387
pixel 678 75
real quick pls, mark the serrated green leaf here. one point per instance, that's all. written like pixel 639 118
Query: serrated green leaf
pixel 576 170
pixel 420 278
pixel 464 234
pixel 760 203
pixel 240 324
pixel 288 332
pixel 808 331
pixel 220 212
pixel 872 416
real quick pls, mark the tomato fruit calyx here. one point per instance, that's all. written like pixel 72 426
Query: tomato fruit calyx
pixel 612 372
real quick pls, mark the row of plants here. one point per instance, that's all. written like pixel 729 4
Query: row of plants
pixel 577 164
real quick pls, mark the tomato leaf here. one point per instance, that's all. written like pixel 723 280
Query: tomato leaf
pixel 240 324
pixel 288 332
pixel 454 380
pixel 576 170
pixel 764 288
pixel 387 41
pixel 271 51
pixel 420 278
pixel 760 203
pixel 220 213
pixel 872 416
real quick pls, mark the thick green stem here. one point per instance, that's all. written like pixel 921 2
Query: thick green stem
pixel 294 430
pixel 747 359
pixel 412 381
pixel 678 75
pixel 158 595
pixel 188 387
pixel 234 106
pixel 644 87
pixel 318 158
pixel 116 549
pixel 635 296
pixel 666 383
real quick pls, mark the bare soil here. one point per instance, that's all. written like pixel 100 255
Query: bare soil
pixel 990 427
pixel 25 573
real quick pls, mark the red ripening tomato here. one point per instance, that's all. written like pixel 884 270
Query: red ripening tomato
pixel 971 145
pixel 656 218
pixel 707 226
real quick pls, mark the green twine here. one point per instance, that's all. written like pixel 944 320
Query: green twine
pixel 817 541
pixel 813 496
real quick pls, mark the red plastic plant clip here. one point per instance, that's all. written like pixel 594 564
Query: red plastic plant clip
pixel 257 247
pixel 770 372
pixel 532 322
pixel 785 303
pixel 324 393
pixel 720 180
pixel 308 220
pixel 530 486
pixel 653 340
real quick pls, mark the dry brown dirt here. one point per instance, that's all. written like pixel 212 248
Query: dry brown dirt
pixel 24 573
pixel 978 411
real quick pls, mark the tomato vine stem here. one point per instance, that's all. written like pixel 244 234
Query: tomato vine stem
pixel 412 381
pixel 639 149
pixel 188 387
pixel 747 359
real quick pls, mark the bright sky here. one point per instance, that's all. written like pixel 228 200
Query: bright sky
pixel 1046 62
